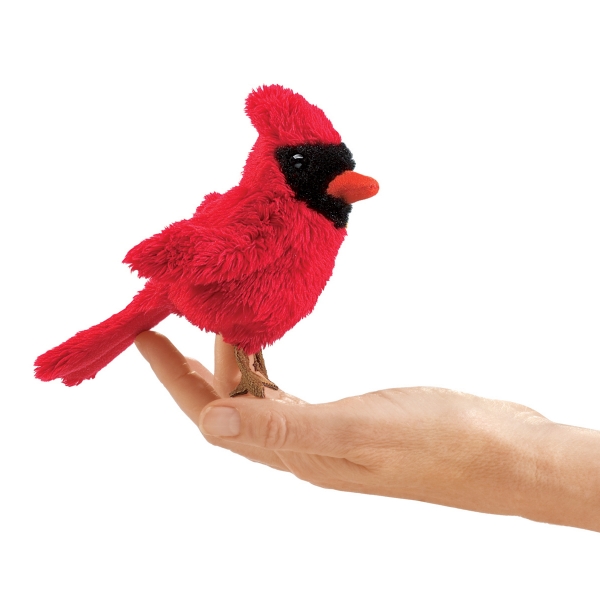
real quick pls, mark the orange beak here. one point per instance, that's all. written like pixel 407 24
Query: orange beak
pixel 351 187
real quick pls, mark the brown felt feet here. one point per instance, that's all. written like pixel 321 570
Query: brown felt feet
pixel 253 381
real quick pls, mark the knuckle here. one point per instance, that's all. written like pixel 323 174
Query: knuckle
pixel 274 430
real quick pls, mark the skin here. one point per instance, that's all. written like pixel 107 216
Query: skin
pixel 428 444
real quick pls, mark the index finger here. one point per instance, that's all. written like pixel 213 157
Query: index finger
pixel 189 389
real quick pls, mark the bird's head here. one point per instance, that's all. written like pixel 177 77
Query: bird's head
pixel 298 149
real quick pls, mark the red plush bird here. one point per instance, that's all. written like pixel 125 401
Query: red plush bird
pixel 251 262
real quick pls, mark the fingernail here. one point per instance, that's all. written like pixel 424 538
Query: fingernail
pixel 221 421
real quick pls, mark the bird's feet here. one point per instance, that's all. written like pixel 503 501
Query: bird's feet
pixel 254 379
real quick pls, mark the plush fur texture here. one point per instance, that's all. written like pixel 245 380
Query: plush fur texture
pixel 249 264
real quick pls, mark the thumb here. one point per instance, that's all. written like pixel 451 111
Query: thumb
pixel 321 429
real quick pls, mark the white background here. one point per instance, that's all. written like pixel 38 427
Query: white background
pixel 475 268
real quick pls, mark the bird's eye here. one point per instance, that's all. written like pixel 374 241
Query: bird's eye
pixel 298 158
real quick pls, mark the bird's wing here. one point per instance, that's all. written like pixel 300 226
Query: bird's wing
pixel 162 255
pixel 191 251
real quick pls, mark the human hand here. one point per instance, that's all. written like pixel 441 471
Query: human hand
pixel 427 444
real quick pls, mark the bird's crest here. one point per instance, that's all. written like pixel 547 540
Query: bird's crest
pixel 281 114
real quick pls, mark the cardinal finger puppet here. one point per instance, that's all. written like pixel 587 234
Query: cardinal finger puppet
pixel 251 262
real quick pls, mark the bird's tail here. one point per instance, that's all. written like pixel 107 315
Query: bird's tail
pixel 82 356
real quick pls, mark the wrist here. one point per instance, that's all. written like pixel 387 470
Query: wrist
pixel 563 480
